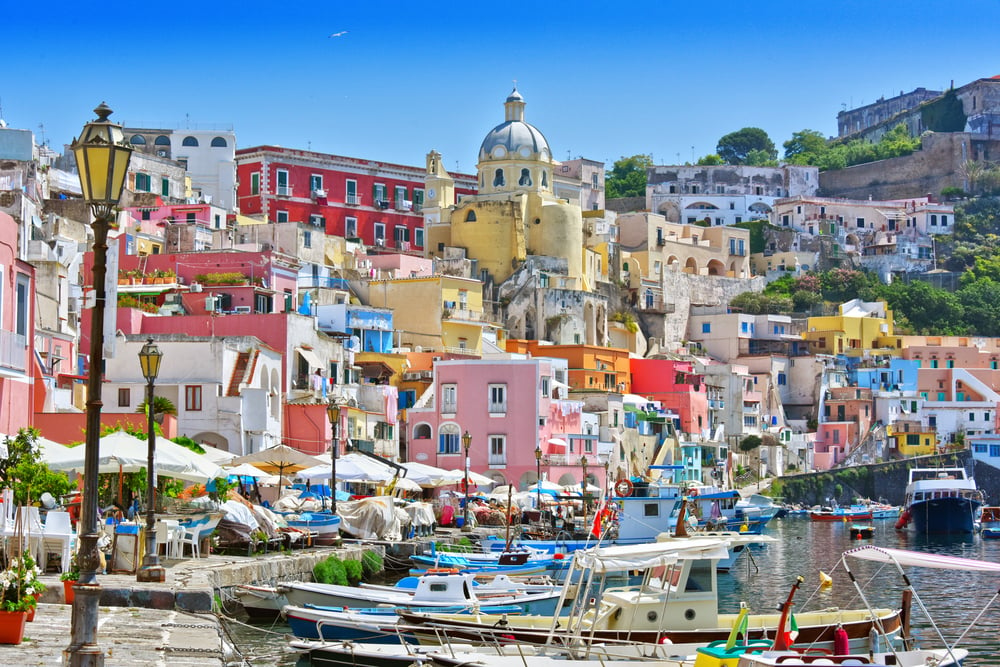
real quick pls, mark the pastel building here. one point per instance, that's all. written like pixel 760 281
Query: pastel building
pixel 860 328
pixel 676 386
pixel 18 368
pixel 507 406
pixel 591 368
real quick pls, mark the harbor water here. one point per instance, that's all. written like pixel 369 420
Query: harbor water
pixel 805 548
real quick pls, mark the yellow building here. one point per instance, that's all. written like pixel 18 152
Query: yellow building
pixel 515 213
pixel 861 327
pixel 439 313
pixel 911 438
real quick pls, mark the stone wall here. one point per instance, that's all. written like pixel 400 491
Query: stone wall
pixel 626 204
pixel 685 290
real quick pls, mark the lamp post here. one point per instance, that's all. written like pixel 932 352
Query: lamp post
pixel 538 479
pixel 333 412
pixel 466 526
pixel 151 570
pixel 102 157
pixel 583 488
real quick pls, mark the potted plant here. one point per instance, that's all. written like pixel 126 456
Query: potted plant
pixel 69 579
pixel 18 597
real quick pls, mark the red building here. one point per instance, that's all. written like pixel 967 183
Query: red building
pixel 678 388
pixel 379 203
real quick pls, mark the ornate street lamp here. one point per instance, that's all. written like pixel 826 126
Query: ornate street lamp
pixel 538 478
pixel 583 489
pixel 102 157
pixel 333 412
pixel 151 570
pixel 466 441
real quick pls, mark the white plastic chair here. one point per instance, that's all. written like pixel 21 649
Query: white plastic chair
pixel 28 521
pixel 168 537
pixel 57 537
pixel 195 531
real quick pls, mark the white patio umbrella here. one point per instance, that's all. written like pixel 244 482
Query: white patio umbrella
pixel 474 477
pixel 427 475
pixel 546 485
pixel 53 452
pixel 407 484
pixel 247 470
pixel 120 452
pixel 351 468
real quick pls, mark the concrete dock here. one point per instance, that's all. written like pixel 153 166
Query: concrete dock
pixel 170 623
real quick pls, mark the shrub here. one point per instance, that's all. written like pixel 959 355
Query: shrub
pixel 353 570
pixel 371 564
pixel 330 571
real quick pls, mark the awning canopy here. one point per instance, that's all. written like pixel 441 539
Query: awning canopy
pixel 376 370
pixel 311 358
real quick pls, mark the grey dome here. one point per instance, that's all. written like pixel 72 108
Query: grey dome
pixel 513 135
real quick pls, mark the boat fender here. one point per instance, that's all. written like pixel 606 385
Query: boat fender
pixel 904 519
pixel 841 642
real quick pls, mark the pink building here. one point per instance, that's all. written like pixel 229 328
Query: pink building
pixel 18 369
pixel 506 406
pixel 676 386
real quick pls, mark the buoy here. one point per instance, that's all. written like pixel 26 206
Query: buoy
pixel 858 535
pixel 825 580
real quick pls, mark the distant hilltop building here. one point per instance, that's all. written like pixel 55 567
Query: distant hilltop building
pixel 853 121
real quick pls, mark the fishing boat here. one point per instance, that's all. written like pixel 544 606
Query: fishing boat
pixel 940 500
pixel 438 589
pixel 323 527
pixel 260 602
pixel 675 600
pixel 862 531
pixel 989 523
pixel 853 513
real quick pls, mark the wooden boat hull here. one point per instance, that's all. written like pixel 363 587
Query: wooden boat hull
pixel 815 629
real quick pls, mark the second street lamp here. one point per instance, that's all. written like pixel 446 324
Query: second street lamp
pixel 102 157
pixel 333 412
pixel 583 489
pixel 466 441
pixel 538 479
pixel 151 570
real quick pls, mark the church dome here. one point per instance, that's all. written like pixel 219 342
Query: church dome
pixel 514 137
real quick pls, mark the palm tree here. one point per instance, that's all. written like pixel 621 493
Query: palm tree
pixel 161 406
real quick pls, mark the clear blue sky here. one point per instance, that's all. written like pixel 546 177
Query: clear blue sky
pixel 601 79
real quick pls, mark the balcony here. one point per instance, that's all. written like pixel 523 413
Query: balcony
pixel 283 190
pixel 13 351
pixel 353 200
pixel 497 460
pixel 403 204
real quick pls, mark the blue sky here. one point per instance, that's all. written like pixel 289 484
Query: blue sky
pixel 601 79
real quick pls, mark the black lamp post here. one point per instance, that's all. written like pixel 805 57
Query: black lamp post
pixel 538 479
pixel 466 441
pixel 583 487
pixel 102 157
pixel 151 570
pixel 333 412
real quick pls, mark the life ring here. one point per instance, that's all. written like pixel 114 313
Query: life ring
pixel 464 485
pixel 623 488
pixel 693 493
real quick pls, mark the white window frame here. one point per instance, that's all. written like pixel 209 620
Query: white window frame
pixel 350 227
pixel 351 195
pixel 315 182
pixel 281 216
pixel 497 399
pixel 449 399
pixel 378 232
pixel 255 183
pixel 497 450
pixel 279 189
pixel 418 237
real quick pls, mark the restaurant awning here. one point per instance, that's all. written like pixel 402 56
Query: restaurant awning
pixel 311 358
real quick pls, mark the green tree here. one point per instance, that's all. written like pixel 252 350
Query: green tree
pixel 710 160
pixel 628 177
pixel 735 146
pixel 24 471
pixel 161 406
pixel 750 443
pixel 805 147
pixel 981 302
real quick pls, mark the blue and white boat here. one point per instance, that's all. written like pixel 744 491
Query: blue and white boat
pixel 941 500
pixel 324 525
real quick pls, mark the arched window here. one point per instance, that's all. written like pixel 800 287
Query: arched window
pixel 545 180
pixel 189 141
pixel 218 142
pixel 525 177
pixel 470 216
pixel 498 179
pixel 162 140
pixel 422 431
pixel 138 140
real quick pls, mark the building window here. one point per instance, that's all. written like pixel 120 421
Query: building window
pixel 351 228
pixel 307 239
pixel 124 395
pixel 281 216
pixel 498 180
pixel 192 398
pixel 525 179
pixel 944 221
pixel 281 187
pixel 706 327
pixel 189 141
pixel 470 216
pixel 400 194
pixel 933 221
pixel 219 142
pixel 352 193
pixel 448 440
pixel 498 399
pixel 498 450
pixel 418 237
pixel 782 379
pixel 380 196
pixel 165 186
pixel 317 221
pixel 994 451
pixel 143 182
pixel 449 399
pixel 255 183
pixel 315 182
pixel 379 233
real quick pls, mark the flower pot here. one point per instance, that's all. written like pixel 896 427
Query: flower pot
pixel 68 590
pixel 12 626
pixel 31 612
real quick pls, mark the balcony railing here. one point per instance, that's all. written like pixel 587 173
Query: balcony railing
pixel 283 190
pixel 498 460
pixel 403 204
pixel 353 200
pixel 498 408
pixel 13 350
pixel 449 408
